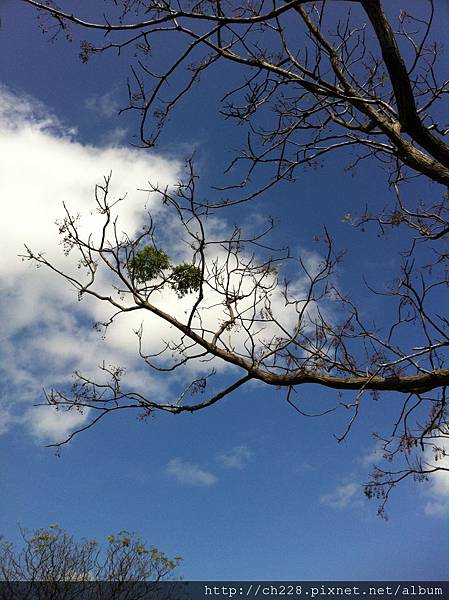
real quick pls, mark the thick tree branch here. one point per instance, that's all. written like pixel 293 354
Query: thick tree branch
pixel 409 119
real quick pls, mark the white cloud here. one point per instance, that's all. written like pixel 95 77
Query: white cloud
pixel 235 458
pixel 438 503
pixel 46 334
pixel 19 113
pixel 341 496
pixel 189 473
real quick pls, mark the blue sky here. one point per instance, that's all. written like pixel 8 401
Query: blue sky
pixel 246 489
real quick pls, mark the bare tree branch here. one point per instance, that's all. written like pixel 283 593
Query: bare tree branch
pixel 315 78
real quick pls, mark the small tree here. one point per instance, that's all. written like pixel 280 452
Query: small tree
pixel 52 557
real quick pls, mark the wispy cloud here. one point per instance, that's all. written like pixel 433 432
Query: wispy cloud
pixel 105 105
pixel 5 420
pixel 49 424
pixel 437 508
pixel 373 457
pixel 305 467
pixel 189 473
pixel 235 458
pixel 114 137
pixel 341 496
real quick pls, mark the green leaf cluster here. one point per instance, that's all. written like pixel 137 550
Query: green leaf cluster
pixel 186 278
pixel 149 263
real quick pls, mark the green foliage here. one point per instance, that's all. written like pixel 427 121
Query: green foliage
pixel 185 278
pixel 148 263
